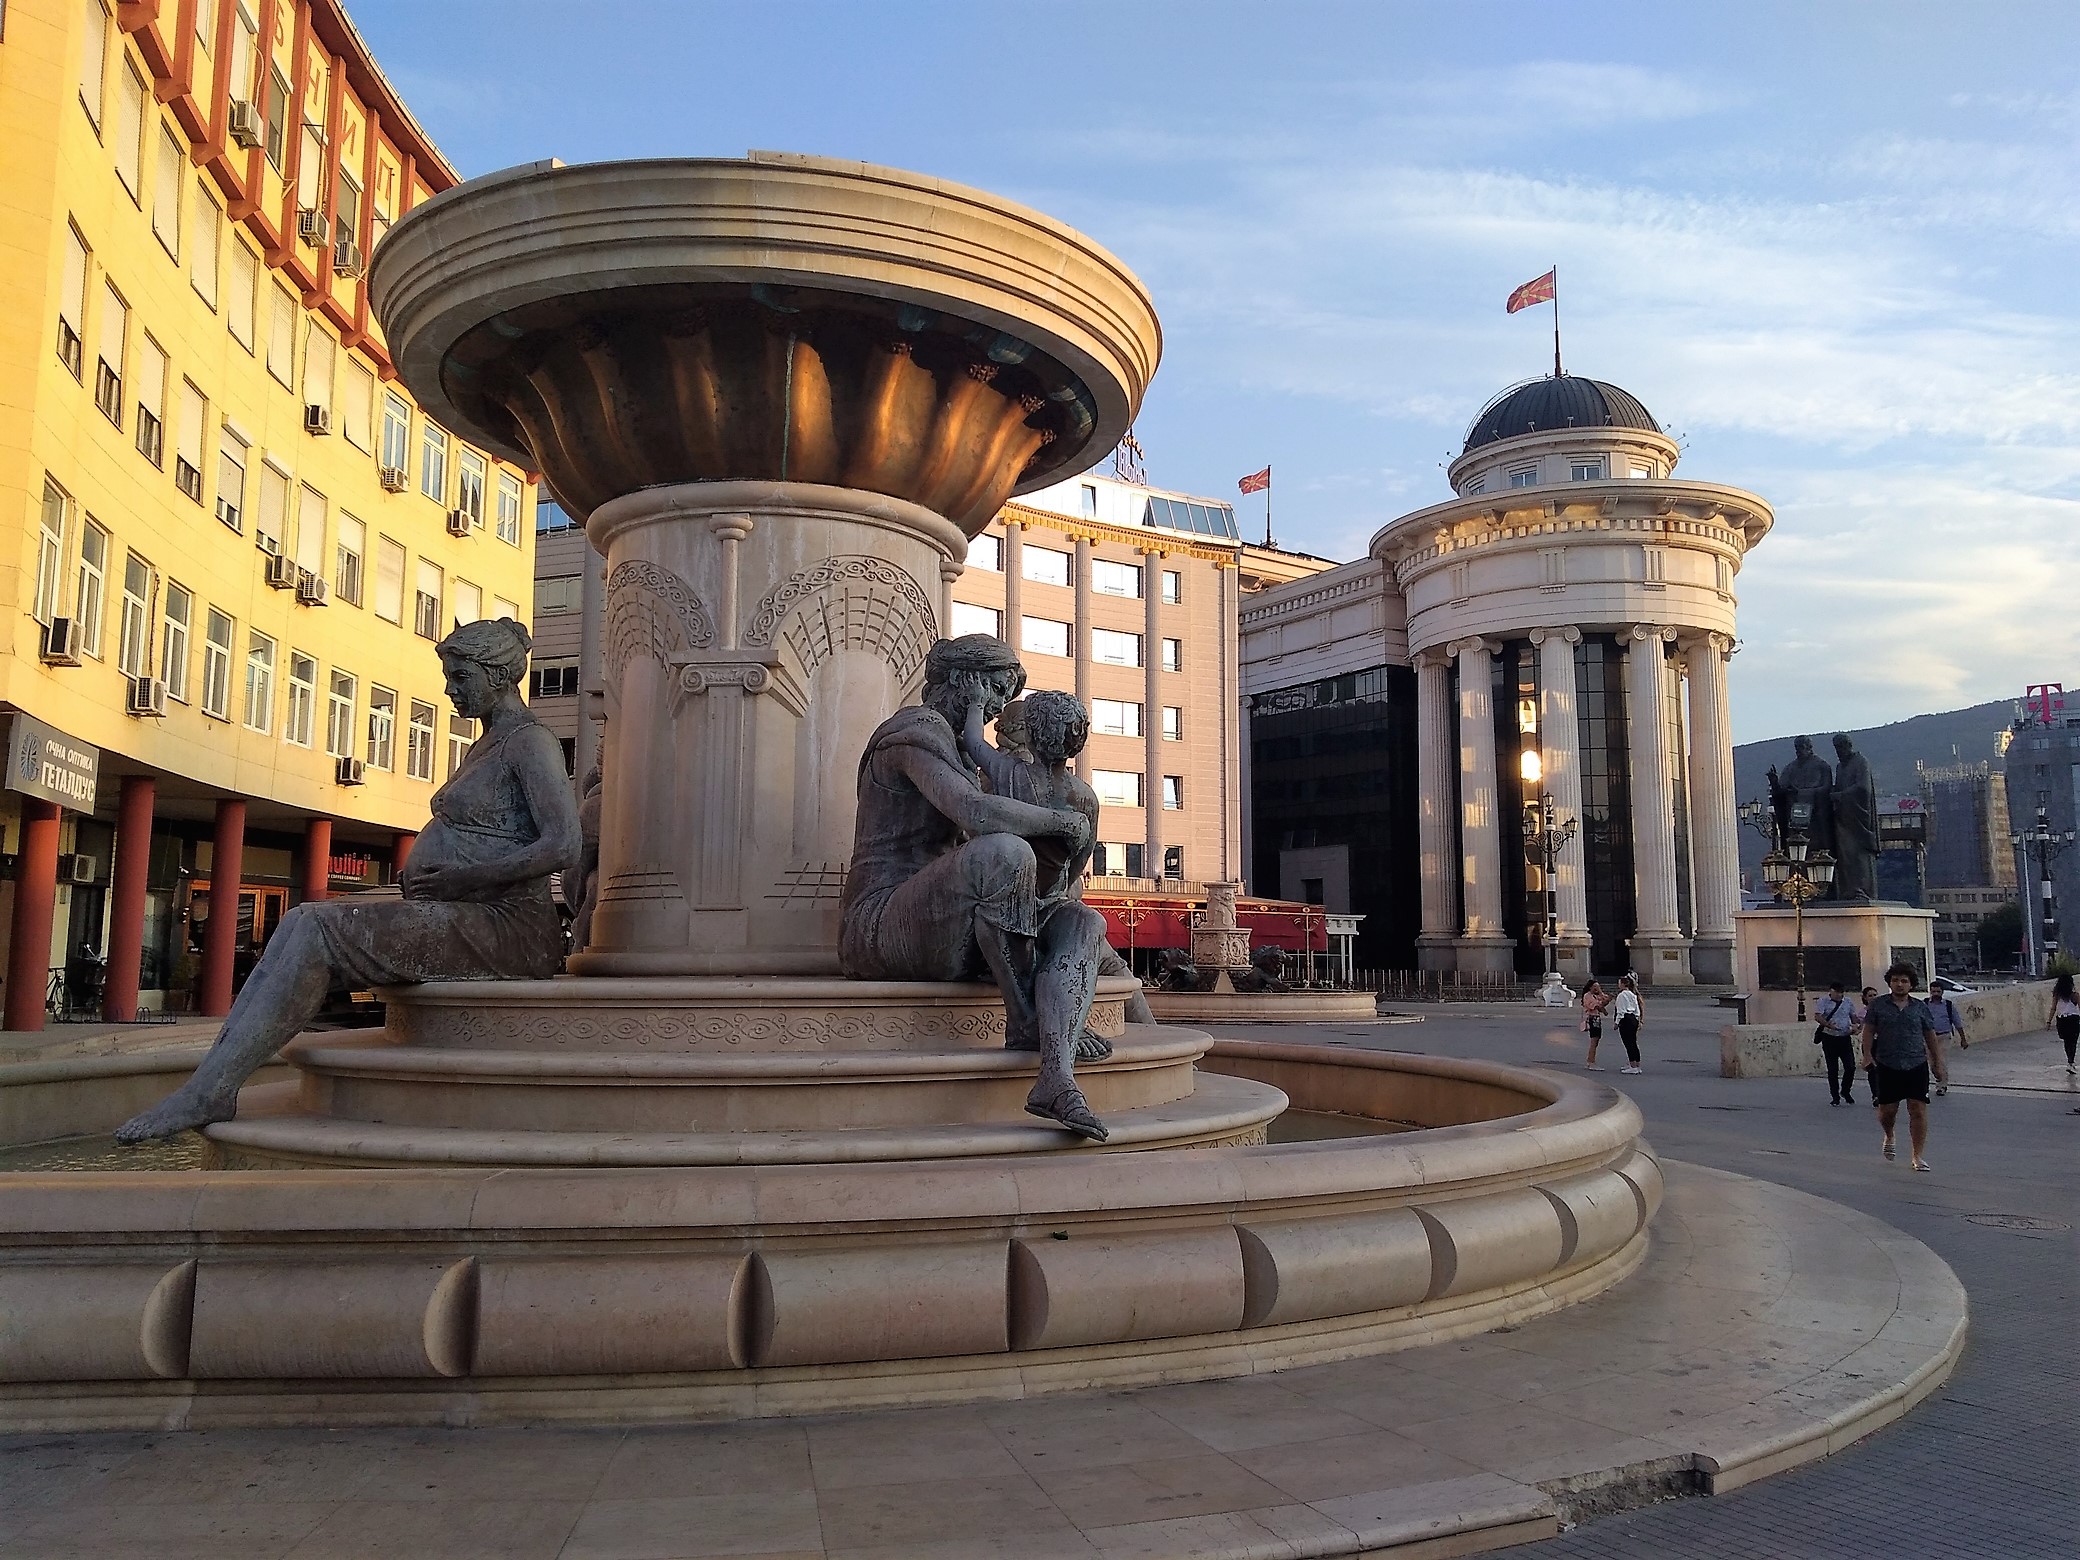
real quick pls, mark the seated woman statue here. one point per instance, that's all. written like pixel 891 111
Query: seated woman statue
pixel 475 902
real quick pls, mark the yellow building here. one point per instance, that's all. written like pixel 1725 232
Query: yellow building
pixel 227 539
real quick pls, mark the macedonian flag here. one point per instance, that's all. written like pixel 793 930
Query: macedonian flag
pixel 1538 291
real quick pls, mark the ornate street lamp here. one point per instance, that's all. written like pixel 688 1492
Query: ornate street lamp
pixel 1546 834
pixel 2050 845
pixel 1798 876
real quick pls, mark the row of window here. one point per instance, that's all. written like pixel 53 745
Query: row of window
pixel 1122 718
pixel 1110 859
pixel 1050 636
pixel 1052 566
pixel 1122 788
pixel 1581 468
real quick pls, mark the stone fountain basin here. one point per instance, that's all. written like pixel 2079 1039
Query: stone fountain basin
pixel 457 1296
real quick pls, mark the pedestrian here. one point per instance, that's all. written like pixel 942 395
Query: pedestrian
pixel 1836 1035
pixel 1594 1000
pixel 1942 1012
pixel 1900 1050
pixel 1630 1013
pixel 2065 1018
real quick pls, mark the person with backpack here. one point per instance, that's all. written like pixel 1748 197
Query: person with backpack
pixel 1630 1013
pixel 1835 1035
pixel 2065 1018
pixel 1942 1012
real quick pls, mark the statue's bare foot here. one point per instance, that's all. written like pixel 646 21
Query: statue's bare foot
pixel 1071 1110
pixel 1093 1047
pixel 178 1112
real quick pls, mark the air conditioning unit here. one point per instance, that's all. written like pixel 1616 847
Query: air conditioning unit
pixel 248 129
pixel 281 572
pixel 61 642
pixel 310 226
pixel 348 771
pixel 317 419
pixel 310 589
pixel 347 259
pixel 459 522
pixel 76 868
pixel 147 696
pixel 392 478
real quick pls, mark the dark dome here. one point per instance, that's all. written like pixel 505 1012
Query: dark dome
pixel 1544 405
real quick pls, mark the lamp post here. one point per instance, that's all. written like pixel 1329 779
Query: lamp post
pixel 1798 876
pixel 2050 844
pixel 1546 833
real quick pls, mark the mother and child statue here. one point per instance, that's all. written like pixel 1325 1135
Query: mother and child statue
pixel 968 863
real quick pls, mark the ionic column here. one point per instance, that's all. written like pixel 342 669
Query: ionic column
pixel 1715 858
pixel 220 938
pixel 1013 559
pixel 1152 714
pixel 1434 832
pixel 1660 951
pixel 1483 944
pixel 126 899
pixel 1559 729
pixel 1081 651
pixel 35 906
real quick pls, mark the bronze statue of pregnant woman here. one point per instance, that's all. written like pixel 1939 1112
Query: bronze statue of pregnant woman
pixel 475 902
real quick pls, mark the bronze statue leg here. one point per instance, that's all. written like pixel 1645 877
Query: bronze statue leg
pixel 1065 977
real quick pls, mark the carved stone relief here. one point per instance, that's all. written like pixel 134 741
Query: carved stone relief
pixel 856 603
pixel 652 612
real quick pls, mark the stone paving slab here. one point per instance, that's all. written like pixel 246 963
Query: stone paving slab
pixel 1766 1328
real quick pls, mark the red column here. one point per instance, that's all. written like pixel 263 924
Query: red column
pixel 35 900
pixel 126 896
pixel 317 858
pixel 220 938
pixel 401 852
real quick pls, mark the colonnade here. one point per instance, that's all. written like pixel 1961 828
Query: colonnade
pixel 1461 833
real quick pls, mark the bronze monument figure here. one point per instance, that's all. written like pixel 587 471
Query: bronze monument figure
pixel 1801 797
pixel 1853 802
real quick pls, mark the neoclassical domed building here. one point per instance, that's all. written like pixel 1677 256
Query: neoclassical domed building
pixel 1574 598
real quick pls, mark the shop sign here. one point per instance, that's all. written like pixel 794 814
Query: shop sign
pixel 43 762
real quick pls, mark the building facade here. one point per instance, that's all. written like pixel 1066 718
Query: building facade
pixel 228 541
pixel 2041 783
pixel 1567 618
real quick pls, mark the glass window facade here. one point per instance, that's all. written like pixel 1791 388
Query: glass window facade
pixel 1599 681
pixel 1175 514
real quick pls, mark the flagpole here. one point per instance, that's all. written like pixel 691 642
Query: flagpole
pixel 1557 371
pixel 1267 512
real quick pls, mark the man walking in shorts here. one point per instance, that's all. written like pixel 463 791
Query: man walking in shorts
pixel 1899 1050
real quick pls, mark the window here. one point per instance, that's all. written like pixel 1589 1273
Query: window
pixel 397 433
pixel 382 727
pixel 465 601
pixel 205 245
pixel 1043 636
pixel 310 533
pixel 93 60
pixel 1115 860
pixel 244 294
pixel 130 122
pixel 216 665
pixel 166 192
pixel 300 720
pixel 134 633
pixel 1585 470
pixel 346 217
pixel 986 552
pixel 93 582
pixel 461 733
pixel 1173 655
pixel 108 372
pixel 318 358
pixel 433 462
pixel 1640 469
pixel 1087 500
pixel 553 680
pixel 311 162
pixel 50 551
pixel 556 593
pixel 243 28
pixel 72 301
pixel 1523 476
pixel 1115 648
pixel 1173 587
pixel 1173 723
pixel 509 507
pixel 187 442
pixel 339 715
pixel 389 580
pixel 550 516
pixel 259 682
pixel 173 640
pixel 231 482
pixel 426 602
pixel 1116 717
pixel 273 522
pixel 470 472
pixel 347 551
pixel 205 23
pixel 1115 579
pixel 281 334
pixel 1044 565
pixel 502 608
pixel 1117 787
pixel 1173 793
pixel 1478 484
pixel 358 404
pixel 277 117
pixel 418 742
pixel 151 400
pixel 971 619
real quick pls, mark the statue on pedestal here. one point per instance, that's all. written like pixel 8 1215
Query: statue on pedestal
pixel 1802 798
pixel 944 881
pixel 1854 804
pixel 475 899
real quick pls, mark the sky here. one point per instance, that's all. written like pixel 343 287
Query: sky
pixel 1830 245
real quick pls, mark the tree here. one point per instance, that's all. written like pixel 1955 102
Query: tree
pixel 2000 937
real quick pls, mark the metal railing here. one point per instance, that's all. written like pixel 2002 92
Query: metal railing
pixel 1443 985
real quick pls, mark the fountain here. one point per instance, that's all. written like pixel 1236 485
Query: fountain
pixel 703 1175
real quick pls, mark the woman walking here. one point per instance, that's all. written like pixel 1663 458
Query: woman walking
pixel 1594 1000
pixel 1630 1013
pixel 2065 1018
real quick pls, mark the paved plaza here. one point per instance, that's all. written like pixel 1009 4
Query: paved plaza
pixel 1751 1290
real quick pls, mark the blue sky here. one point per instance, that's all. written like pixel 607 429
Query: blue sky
pixel 1831 245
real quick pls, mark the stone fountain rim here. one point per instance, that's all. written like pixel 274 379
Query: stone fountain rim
pixel 427 277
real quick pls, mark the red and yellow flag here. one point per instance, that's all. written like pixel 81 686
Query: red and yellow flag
pixel 1256 481
pixel 1537 291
